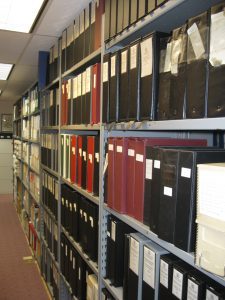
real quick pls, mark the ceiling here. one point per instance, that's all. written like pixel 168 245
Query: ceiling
pixel 21 49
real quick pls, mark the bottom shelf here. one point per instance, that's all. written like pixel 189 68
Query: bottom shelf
pixel 117 293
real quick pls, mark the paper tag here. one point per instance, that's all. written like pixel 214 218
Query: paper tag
pixel 133 57
pixel 157 164
pixel 146 57
pixel 113 231
pixel 139 157
pixel 71 207
pixel 79 274
pixel 85 217
pixel 175 53
pixel 192 290
pixel 71 255
pixel 134 256
pixel 177 287
pixel 167 65
pixel 97 157
pixel 148 168
pixel 75 206
pixel 131 152
pixel 124 62
pixel 113 66
pixel 80 151
pixel 84 155
pixel 149 267
pixel 92 221
pixel 119 149
pixel 210 295
pixel 74 150
pixel 105 71
pixel 66 250
pixel 106 163
pixel 167 191
pixel 196 41
pixel 90 157
pixel 110 147
pixel 186 172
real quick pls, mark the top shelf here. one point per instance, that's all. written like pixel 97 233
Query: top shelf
pixel 172 14
pixel 176 125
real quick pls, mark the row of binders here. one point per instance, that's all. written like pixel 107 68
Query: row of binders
pixel 120 14
pixel 50 107
pixel 79 217
pixel 147 178
pixel 78 40
pixel 80 161
pixel 163 76
pixel 147 271
pixel 49 271
pixel 51 233
pixel 81 97
pixel 75 270
pixel 49 150
pixel 50 192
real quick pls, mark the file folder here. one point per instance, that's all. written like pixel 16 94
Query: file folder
pixel 76 40
pixel 69 47
pixel 88 95
pixel 84 107
pixel 92 231
pixel 75 107
pixel 75 219
pixel 92 7
pixel 151 5
pixel 141 9
pixel 100 9
pixel 81 49
pixel 126 14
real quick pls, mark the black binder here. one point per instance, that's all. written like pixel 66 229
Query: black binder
pixel 69 107
pixel 120 16
pixel 76 40
pixel 81 36
pixel 134 80
pixel 75 218
pixel 180 276
pixel 105 88
pixel 113 18
pixel 178 73
pixel 62 251
pixel 216 84
pixel 92 221
pixel 107 20
pixel 81 284
pixel 196 286
pixel 126 265
pixel 114 87
pixel 56 60
pixel 84 161
pixel 74 272
pixel 124 83
pixel 197 52
pixel 133 11
pixel 69 47
pixel 126 13
pixel 87 31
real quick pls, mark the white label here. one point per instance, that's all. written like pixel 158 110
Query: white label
pixel 74 263
pixel 148 169
pixel 157 164
pixel 71 255
pixel 105 71
pixel 167 65
pixel 119 149
pixel 124 62
pixel 211 296
pixel 113 231
pixel 168 191
pixel 106 163
pixel 92 221
pixel 75 88
pixel 74 150
pixel 196 41
pixel 149 267
pixel 110 147
pixel 113 66
pixel 108 233
pixel 146 57
pixel 131 152
pixel 177 284
pixel 139 157
pixel 186 172
pixel 164 273
pixel 97 157
pixel 94 81
pixel 75 207
pixel 84 83
pixel 192 291
pixel 134 255
pixel 133 57
pixel 88 80
pixel 208 190
pixel 80 151
pixel 68 87
pixel 79 83
pixel 217 40
pixel 66 250
pixel 85 217
pixel 84 155
pixel 90 158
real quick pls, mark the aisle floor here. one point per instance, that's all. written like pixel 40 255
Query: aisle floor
pixel 18 279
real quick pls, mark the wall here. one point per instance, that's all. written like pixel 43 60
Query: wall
pixel 6 107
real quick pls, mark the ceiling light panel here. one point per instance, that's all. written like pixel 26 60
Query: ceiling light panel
pixel 5 70
pixel 19 15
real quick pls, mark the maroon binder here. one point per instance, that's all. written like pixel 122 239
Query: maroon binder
pixel 120 175
pixel 79 162
pixel 90 163
pixel 131 144
pixel 111 161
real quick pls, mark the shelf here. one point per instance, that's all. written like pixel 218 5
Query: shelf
pixel 50 213
pixel 81 127
pixel 54 82
pixel 24 139
pixel 89 262
pixel 83 192
pixel 172 14
pixel 17 137
pixel 17 119
pixel 177 125
pixel 92 58
pixel 34 141
pixel 50 128
pixel 36 112
pixel 117 293
pixel 187 257
pixel 54 173
pixel 34 170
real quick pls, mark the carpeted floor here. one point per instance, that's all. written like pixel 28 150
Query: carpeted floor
pixel 19 280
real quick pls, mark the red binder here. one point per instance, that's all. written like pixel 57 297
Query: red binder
pixel 120 175
pixel 90 163
pixel 140 163
pixel 79 160
pixel 100 9
pixel 73 158
pixel 110 184
pixel 131 145
pixel 96 78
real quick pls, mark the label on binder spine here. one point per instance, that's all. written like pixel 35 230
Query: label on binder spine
pixel 149 267
pixel 105 72
pixel 133 57
pixel 192 290
pixel 148 169
pixel 146 57
pixel 134 255
pixel 186 172
pixel 167 191
pixel 130 152
pixel 119 149
pixel 113 231
pixel 139 157
pixel 177 287
pixel 156 164
pixel 211 296
pixel 164 273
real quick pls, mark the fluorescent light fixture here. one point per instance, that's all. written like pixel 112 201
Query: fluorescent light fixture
pixel 19 15
pixel 5 70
